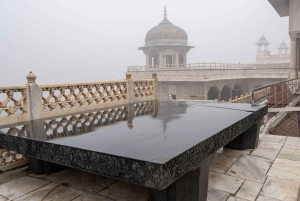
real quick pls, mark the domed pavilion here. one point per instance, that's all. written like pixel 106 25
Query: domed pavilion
pixel 166 45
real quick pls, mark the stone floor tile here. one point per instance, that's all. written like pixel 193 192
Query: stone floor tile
pixel 286 169
pixel 88 197
pixel 249 190
pixel 272 138
pixel 231 198
pixel 261 198
pixel 265 154
pixel 290 152
pixel 11 175
pixel 250 169
pixel 224 182
pixel 20 186
pixel 281 189
pixel 84 181
pixel 51 192
pixel 123 191
pixel 232 152
pixel 270 145
pixel 39 176
pixel 293 141
pixel 3 198
pixel 220 163
pixel 216 195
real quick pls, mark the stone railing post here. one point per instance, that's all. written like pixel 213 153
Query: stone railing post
pixel 130 88
pixel 34 97
pixel 155 84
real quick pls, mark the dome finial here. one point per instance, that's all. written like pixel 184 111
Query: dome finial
pixel 165 13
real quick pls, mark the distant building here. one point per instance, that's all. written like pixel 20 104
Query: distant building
pixel 166 48
pixel 166 45
pixel 263 55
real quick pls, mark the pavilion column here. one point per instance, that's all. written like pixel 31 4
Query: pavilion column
pixel 161 62
pixel 147 59
pixel 294 58
pixel 177 59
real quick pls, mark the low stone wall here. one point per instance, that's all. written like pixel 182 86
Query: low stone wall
pixel 257 96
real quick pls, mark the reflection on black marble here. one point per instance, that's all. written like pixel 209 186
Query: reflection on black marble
pixel 79 123
pixel 167 112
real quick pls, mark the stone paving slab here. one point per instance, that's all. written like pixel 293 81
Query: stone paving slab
pixel 123 191
pixel 3 198
pixel 232 153
pixel 221 163
pixel 249 190
pixel 216 195
pixel 290 152
pixel 14 174
pixel 224 182
pixel 21 186
pixel 281 189
pixel 51 192
pixel 293 141
pixel 261 198
pixel 87 182
pixel 250 169
pixel 273 138
pixel 286 169
pixel 231 198
pixel 264 154
pixel 88 197
pixel 270 145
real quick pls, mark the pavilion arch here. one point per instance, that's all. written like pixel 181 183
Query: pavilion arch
pixel 212 93
pixel 237 91
pixel 225 93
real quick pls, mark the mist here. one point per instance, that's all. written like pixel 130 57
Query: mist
pixel 85 41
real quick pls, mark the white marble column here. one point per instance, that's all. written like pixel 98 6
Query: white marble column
pixel 161 62
pixel 147 59
pixel 293 59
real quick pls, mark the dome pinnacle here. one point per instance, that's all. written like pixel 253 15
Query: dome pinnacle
pixel 165 13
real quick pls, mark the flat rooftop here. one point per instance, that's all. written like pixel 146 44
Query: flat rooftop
pixel 270 172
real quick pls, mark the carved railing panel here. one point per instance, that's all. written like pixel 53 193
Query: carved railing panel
pixel 208 66
pixel 7 156
pixel 143 88
pixel 258 95
pixel 57 97
pixel 13 101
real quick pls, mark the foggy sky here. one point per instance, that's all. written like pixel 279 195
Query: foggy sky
pixel 64 41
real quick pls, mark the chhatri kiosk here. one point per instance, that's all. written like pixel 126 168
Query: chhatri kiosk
pixel 166 45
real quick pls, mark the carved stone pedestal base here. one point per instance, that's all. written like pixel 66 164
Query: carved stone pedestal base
pixel 192 186
pixel 41 167
pixel 246 140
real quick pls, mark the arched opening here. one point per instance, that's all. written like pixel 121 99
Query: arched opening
pixel 212 93
pixel 237 91
pixel 225 93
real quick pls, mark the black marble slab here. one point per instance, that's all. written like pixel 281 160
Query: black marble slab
pixel 147 143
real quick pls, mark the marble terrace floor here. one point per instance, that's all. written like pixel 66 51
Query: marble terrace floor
pixel 271 172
